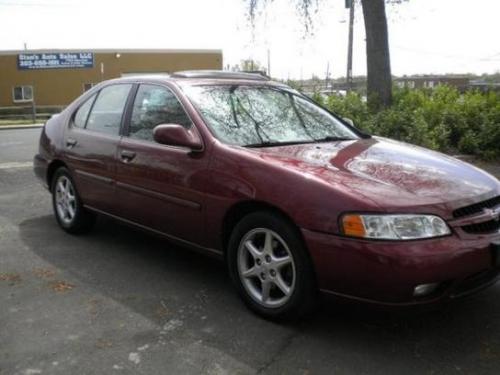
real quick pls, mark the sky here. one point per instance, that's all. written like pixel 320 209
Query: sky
pixel 426 36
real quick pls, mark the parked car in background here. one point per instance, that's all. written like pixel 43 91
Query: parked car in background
pixel 293 198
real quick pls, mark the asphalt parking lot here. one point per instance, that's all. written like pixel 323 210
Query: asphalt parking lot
pixel 121 301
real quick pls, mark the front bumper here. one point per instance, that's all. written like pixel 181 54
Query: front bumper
pixel 387 272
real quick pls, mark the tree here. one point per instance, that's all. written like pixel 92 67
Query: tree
pixel 379 85
pixel 251 65
pixel 378 61
pixel 247 65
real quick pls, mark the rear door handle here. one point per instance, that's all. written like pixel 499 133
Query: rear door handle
pixel 70 142
pixel 127 155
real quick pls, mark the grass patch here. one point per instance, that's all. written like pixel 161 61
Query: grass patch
pixel 5 122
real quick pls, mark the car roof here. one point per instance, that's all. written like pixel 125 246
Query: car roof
pixel 195 77
pixel 220 74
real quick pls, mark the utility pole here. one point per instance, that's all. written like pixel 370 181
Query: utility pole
pixel 102 71
pixel 268 63
pixel 33 105
pixel 327 77
pixel 350 4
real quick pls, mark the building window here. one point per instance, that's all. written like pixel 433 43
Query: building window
pixel 22 94
pixel 87 86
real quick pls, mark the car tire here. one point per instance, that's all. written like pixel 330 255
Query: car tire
pixel 271 268
pixel 68 209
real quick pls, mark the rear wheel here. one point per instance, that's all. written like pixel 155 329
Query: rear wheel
pixel 270 267
pixel 70 214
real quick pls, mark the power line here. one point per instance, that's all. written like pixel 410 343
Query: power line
pixel 32 4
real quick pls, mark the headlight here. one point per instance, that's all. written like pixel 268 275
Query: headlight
pixel 394 227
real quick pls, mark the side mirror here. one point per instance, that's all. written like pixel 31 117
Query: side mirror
pixel 177 135
pixel 349 121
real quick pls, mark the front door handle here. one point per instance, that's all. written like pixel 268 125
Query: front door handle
pixel 127 155
pixel 70 142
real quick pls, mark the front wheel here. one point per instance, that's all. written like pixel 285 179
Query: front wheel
pixel 270 267
pixel 68 209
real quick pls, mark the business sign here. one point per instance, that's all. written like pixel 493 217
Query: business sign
pixel 63 60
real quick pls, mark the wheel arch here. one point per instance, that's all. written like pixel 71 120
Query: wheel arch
pixel 51 170
pixel 241 209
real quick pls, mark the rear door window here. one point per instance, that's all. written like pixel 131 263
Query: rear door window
pixel 107 112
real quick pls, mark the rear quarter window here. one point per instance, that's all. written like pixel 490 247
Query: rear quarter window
pixel 82 113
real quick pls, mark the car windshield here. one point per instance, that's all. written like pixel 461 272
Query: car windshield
pixel 263 115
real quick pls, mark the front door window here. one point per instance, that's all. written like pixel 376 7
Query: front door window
pixel 155 105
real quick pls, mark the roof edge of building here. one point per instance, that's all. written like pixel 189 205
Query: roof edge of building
pixel 110 50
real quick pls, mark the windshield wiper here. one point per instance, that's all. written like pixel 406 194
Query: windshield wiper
pixel 275 143
pixel 332 138
pixel 305 141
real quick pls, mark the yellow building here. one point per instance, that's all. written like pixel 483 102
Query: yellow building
pixel 56 77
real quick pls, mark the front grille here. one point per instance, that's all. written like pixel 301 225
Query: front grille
pixel 476 207
pixel 484 227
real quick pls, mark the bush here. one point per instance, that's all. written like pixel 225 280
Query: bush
pixel 440 119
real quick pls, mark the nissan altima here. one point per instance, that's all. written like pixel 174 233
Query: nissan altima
pixel 292 197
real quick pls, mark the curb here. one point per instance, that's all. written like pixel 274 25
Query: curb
pixel 11 127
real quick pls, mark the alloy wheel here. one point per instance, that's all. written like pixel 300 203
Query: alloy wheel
pixel 65 199
pixel 266 267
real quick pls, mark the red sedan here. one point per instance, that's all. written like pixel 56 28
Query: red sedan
pixel 292 197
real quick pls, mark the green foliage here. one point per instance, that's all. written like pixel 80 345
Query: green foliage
pixel 294 84
pixel 441 119
pixel 351 106
pixel 251 65
pixel 318 98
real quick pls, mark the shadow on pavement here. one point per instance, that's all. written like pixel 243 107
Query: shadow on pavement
pixel 161 282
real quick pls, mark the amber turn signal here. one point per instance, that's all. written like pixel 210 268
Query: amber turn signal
pixel 353 226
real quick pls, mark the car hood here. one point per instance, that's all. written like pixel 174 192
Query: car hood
pixel 386 172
